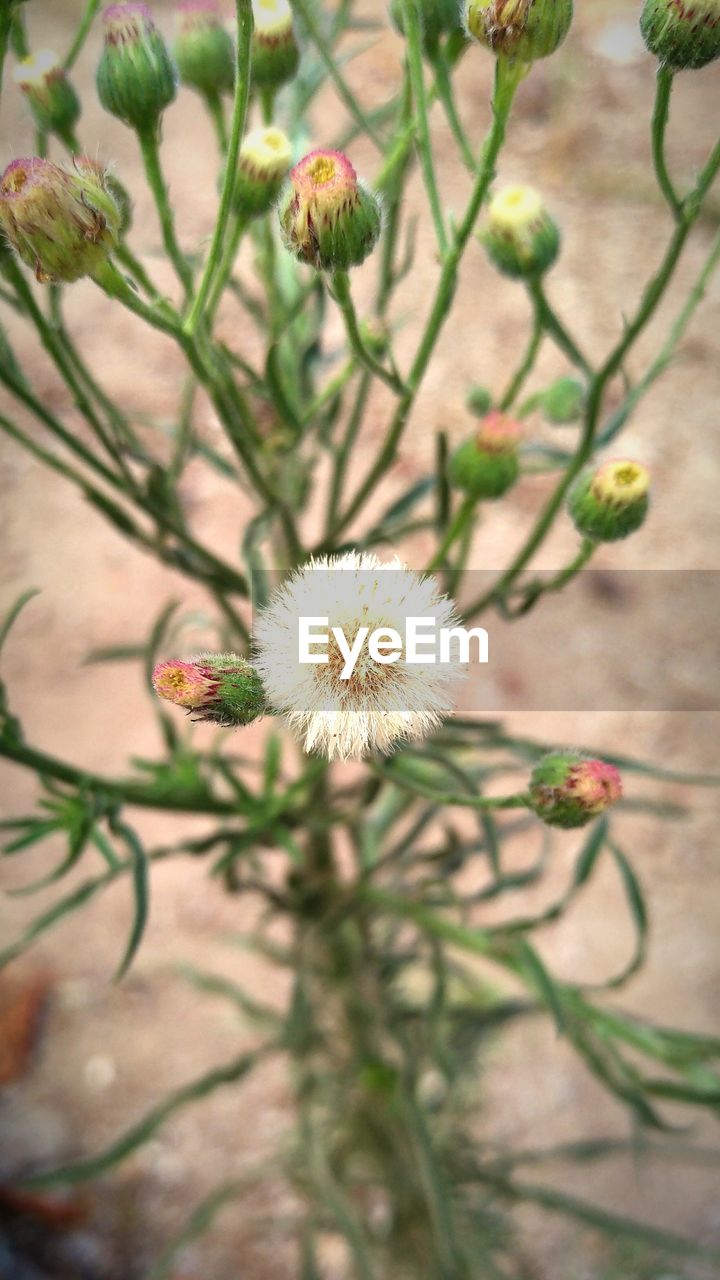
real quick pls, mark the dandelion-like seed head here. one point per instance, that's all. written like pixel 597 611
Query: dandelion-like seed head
pixel 378 704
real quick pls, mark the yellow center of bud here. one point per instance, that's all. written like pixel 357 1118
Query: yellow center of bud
pixel 32 72
pixel 322 170
pixel 271 15
pixel 267 151
pixel 622 482
pixel 515 208
pixel 14 180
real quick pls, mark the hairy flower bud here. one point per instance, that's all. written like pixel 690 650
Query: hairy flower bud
pixel 568 789
pixel 683 34
pixel 275 54
pixel 611 502
pixel 563 402
pixel 487 465
pixel 221 687
pixel 522 29
pixel 204 49
pixel 48 92
pixel 437 17
pixel 136 77
pixel 263 163
pixel 63 223
pixel 519 236
pixel 327 217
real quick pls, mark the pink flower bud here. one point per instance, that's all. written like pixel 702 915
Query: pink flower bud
pixel 327 217
pixel 63 223
pixel 569 790
pixel 223 687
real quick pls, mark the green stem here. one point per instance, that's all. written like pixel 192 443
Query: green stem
pixel 528 362
pixel 463 518
pixel 237 126
pixel 660 364
pixel 532 591
pixel 329 392
pixel 507 79
pixel 81 34
pixel 665 81
pixel 214 104
pixel 327 55
pixel 225 266
pixel 125 255
pixel 341 292
pixel 226 397
pixel 646 310
pixel 412 24
pixel 344 452
pixel 447 98
pixel 554 327
pixel 148 139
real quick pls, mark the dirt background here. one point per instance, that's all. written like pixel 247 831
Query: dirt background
pixel 581 134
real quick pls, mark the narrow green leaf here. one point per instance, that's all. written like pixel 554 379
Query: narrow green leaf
pixel 141 893
pixel 540 980
pixel 199 1222
pixel 140 1133
pixel 14 612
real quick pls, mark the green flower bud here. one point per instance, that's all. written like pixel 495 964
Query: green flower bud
pixel 62 223
pixel 610 503
pixel 522 29
pixel 204 49
pixel 478 401
pixel 683 34
pixel 136 78
pixel 327 218
pixel 487 465
pixel 519 236
pixel 49 94
pixel 563 402
pixel 568 789
pixel 437 17
pixel 221 687
pixel 263 163
pixel 275 54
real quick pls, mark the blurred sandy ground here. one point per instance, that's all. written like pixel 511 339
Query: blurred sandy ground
pixel 581 134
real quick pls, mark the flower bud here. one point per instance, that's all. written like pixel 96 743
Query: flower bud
pixel 520 237
pixel 487 465
pixel 50 96
pixel 136 78
pixel 275 54
pixel 61 223
pixel 263 163
pixel 563 402
pixel 221 687
pixel 683 34
pixel 437 17
pixel 204 49
pixel 611 502
pixel 327 218
pixel 478 400
pixel 568 789
pixel 522 29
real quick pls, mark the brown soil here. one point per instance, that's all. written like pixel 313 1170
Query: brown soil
pixel 581 135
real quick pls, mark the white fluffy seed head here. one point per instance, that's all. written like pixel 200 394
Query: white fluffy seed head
pixel 379 704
